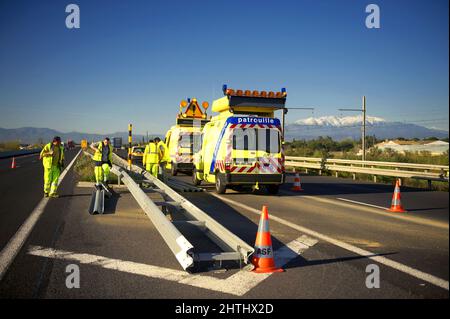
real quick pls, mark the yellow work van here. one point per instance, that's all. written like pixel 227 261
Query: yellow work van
pixel 183 139
pixel 137 153
pixel 242 145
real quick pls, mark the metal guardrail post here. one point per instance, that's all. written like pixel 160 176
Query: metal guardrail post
pixel 374 177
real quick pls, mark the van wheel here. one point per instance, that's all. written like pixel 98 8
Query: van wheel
pixel 221 187
pixel 195 180
pixel 173 170
pixel 273 189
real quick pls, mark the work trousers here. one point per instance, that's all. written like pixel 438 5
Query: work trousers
pixel 101 172
pixel 162 171
pixel 152 168
pixel 51 176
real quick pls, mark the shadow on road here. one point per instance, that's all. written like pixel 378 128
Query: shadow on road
pixel 302 262
pixel 75 195
pixel 343 188
pixel 425 209
pixel 246 229
pixel 322 185
pixel 111 203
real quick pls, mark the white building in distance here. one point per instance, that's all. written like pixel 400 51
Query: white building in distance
pixel 435 147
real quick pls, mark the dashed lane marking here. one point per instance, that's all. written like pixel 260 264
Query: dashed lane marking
pixel 361 203
pixel 374 210
pixel 237 284
pixel 362 252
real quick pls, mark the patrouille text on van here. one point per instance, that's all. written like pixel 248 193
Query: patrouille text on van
pixel 256 120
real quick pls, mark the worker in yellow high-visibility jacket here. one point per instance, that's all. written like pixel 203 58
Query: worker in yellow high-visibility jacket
pixel 52 156
pixel 164 157
pixel 103 161
pixel 151 158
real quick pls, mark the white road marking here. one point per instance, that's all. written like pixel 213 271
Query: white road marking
pixel 362 252
pixel 361 203
pixel 383 212
pixel 12 248
pixel 237 284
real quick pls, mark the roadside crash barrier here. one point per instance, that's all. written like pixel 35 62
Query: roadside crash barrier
pixel 234 248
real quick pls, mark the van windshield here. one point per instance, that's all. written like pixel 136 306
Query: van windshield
pixel 138 150
pixel 256 139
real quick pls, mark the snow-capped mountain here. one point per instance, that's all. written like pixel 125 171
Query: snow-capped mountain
pixel 340 128
pixel 339 121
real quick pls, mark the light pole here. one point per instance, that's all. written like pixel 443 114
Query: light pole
pixel 363 128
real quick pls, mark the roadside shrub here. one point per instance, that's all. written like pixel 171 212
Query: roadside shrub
pixel 84 170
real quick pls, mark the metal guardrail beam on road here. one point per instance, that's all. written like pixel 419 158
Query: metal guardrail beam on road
pixel 403 170
pixel 220 235
pixel 177 243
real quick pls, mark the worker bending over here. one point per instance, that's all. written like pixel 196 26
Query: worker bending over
pixel 164 157
pixel 52 156
pixel 151 158
pixel 103 161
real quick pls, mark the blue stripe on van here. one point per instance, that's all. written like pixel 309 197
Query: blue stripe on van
pixel 216 149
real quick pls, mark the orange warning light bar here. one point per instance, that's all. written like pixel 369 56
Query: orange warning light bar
pixel 231 92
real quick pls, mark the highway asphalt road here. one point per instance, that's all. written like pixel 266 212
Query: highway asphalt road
pixel 120 254
pixel 21 189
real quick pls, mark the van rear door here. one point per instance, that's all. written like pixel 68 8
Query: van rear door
pixel 189 143
pixel 244 150
pixel 269 151
pixel 255 149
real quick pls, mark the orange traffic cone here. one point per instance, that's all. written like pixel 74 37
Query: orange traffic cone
pixel 263 256
pixel 297 186
pixel 13 163
pixel 396 205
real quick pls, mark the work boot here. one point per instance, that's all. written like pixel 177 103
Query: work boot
pixel 45 194
pixel 54 195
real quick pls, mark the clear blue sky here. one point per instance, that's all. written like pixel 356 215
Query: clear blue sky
pixel 133 61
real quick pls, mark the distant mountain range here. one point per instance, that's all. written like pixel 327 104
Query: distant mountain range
pixel 33 135
pixel 340 128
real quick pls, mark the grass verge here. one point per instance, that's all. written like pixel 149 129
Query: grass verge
pixel 84 170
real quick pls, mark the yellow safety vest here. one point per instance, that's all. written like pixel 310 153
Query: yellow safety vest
pixel 151 154
pixel 163 152
pixel 47 161
pixel 98 154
